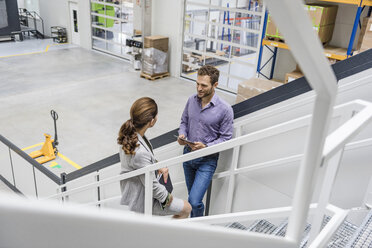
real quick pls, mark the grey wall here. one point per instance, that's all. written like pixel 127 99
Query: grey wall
pixel 167 19
pixel 54 13
pixel 57 13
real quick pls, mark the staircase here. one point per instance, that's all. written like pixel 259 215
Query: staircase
pixel 363 236
pixel 31 24
pixel 301 152
pixel 348 235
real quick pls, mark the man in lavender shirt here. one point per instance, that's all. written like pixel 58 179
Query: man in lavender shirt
pixel 206 120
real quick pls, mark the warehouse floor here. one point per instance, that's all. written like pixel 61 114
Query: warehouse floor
pixel 91 92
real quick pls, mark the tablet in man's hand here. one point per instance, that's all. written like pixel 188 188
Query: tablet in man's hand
pixel 185 140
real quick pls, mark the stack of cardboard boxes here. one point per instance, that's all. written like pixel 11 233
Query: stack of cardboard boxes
pixel 365 36
pixel 323 18
pixel 155 55
pixel 254 87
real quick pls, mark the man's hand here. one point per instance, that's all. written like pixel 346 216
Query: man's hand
pixel 182 143
pixel 197 146
pixel 165 173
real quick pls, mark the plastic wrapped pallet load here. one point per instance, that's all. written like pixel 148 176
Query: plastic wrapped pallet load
pixel 154 61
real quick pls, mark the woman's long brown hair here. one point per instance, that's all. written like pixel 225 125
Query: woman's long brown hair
pixel 142 112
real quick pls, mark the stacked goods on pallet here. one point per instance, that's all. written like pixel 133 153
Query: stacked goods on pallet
pixel 365 36
pixel 155 55
pixel 155 59
pixel 323 18
pixel 254 87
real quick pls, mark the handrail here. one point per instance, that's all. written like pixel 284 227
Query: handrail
pixel 354 125
pixel 238 141
pixel 308 52
pixel 33 15
pixel 342 69
pixel 347 131
pixel 30 160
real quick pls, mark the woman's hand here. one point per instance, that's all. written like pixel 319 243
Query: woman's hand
pixel 164 172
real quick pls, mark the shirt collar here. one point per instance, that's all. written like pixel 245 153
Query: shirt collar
pixel 213 101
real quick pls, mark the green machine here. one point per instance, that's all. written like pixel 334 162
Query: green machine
pixel 104 10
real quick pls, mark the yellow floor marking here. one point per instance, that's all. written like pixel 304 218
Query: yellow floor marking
pixel 46 50
pixel 40 144
pixel 59 154
pixel 69 161
pixel 54 163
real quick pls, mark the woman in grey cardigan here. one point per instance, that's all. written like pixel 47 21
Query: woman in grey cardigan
pixel 135 153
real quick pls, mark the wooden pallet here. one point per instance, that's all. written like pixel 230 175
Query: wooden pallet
pixel 154 77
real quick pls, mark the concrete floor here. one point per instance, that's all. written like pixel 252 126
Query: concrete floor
pixel 91 92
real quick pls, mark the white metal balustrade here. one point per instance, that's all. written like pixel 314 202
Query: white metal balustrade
pixel 335 141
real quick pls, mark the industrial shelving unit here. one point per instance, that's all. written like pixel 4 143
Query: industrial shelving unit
pixel 58 34
pixel 329 51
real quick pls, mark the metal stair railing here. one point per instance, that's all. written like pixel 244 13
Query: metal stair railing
pixel 334 142
pixel 36 18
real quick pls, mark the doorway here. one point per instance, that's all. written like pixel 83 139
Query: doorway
pixel 74 23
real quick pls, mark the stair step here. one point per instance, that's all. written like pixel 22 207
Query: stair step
pixel 339 239
pixel 363 235
pixel 342 235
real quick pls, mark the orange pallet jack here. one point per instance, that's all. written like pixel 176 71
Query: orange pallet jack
pixel 49 150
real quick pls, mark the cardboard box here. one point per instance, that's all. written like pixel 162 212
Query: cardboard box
pixel 290 76
pixel 322 14
pixel 323 18
pixel 365 36
pixel 240 98
pixel 157 42
pixel 272 30
pixel 324 32
pixel 254 87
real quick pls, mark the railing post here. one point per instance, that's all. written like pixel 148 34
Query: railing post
pixel 98 189
pixel 11 165
pixel 327 181
pixel 148 193
pixel 233 167
pixel 208 199
pixel 63 189
pixel 33 172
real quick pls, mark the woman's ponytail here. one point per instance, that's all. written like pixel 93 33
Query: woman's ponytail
pixel 128 137
pixel 142 112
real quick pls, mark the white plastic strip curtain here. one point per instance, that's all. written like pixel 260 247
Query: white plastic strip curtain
pixel 222 33
pixel 3 14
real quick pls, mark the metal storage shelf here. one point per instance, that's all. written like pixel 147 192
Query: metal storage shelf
pixel 355 2
pixel 327 50
pixel 58 34
pixel 341 54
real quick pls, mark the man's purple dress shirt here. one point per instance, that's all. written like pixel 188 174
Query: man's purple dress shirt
pixel 211 125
